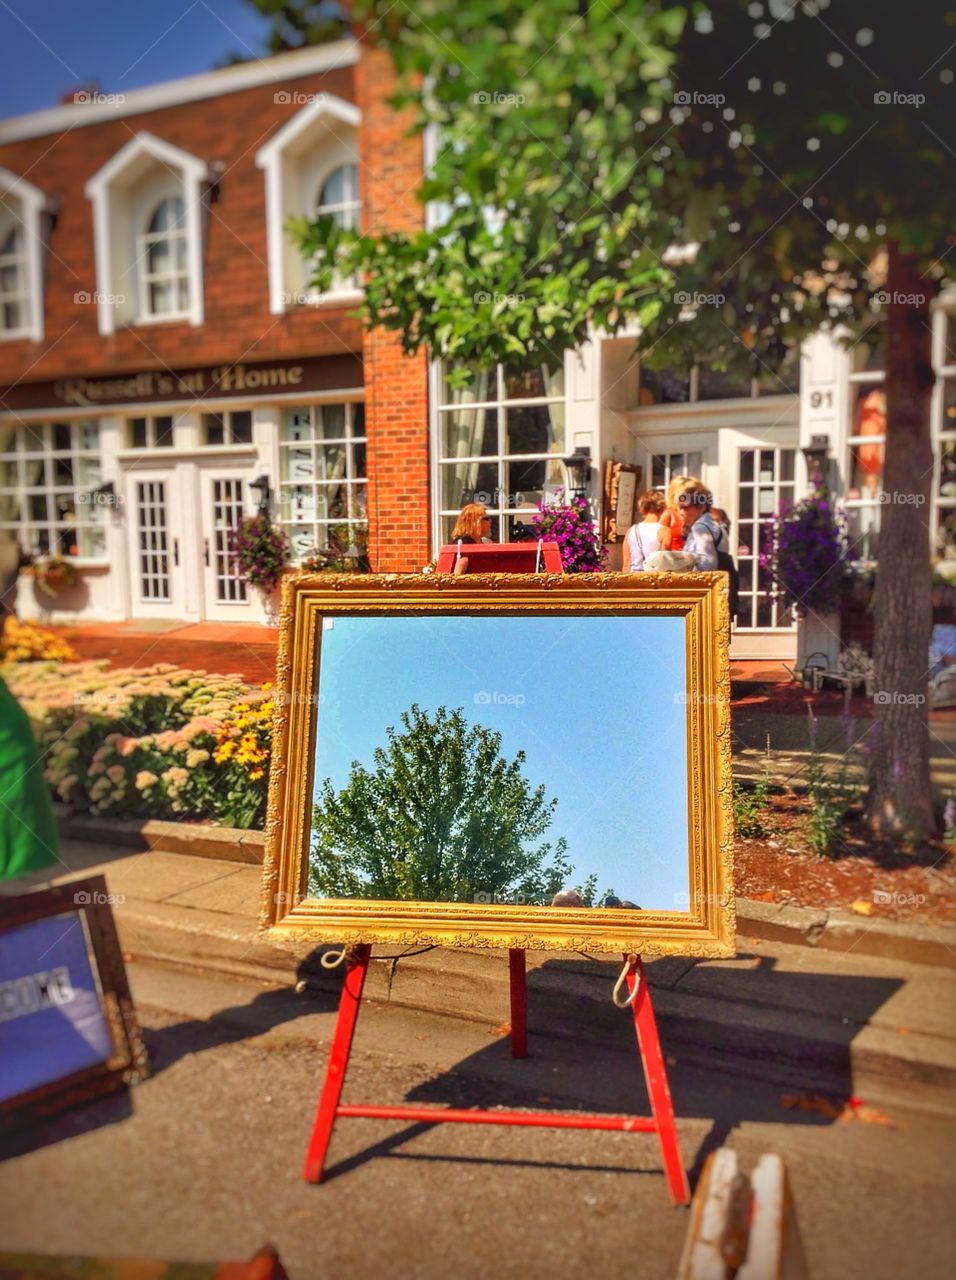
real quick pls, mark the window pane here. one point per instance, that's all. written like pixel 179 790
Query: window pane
pixel 39 507
pixel 784 379
pixel 213 429
pixel 864 525
pixel 533 383
pixel 945 538
pixel 89 435
pixel 746 504
pixel 164 432
pixel 866 470
pixel 469 482
pixel 746 465
pixel 8 473
pixel 484 386
pixel 62 438
pixel 358 419
pixel 787 458
pixel 302 538
pixel 359 461
pixel 663 387
pixel 12 316
pixel 298 503
pixel 359 502
pixel 137 433
pixel 947 468
pixel 767 465
pixel 62 471
pixel 869 358
pixel 296 464
pixel 535 429
pixel 469 433
pixel 297 424
pixel 331 501
pixel 330 462
pixel 34 438
pixel 721 386
pixel 160 299
pixel 330 422
pixel 241 422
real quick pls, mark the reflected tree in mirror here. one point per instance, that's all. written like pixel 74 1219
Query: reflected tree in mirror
pixel 442 816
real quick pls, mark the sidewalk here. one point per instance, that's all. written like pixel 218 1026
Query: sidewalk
pixel 839 1023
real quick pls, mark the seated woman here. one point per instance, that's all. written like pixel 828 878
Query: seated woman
pixel 28 835
pixel 472 526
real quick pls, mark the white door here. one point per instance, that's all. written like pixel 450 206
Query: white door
pixel 224 500
pixel 155 547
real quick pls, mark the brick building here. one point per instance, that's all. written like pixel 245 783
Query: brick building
pixel 161 352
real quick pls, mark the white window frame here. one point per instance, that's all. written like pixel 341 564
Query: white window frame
pixel 22 207
pixel 352 481
pixel 944 361
pixel 27 444
pixel 781 616
pixel 145 241
pixel 142 152
pixel 500 403
pixel 152 431
pixel 274 158
pixel 225 417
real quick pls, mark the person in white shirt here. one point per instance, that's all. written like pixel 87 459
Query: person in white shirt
pixel 643 539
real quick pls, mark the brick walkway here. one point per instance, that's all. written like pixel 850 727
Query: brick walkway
pixel 250 650
pixel 205 646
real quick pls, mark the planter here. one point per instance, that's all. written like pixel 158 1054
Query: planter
pixel 818 633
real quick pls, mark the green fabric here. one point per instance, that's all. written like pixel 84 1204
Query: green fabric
pixel 28 837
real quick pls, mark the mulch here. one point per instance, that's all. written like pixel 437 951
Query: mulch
pixel 879 882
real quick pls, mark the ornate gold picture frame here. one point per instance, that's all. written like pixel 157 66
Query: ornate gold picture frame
pixel 702 921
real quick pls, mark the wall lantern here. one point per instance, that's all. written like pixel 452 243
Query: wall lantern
pixel 816 454
pixel 579 471
pixel 261 487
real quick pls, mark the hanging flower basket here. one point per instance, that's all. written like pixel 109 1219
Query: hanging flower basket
pixel 260 550
pixel 805 553
pixel 571 525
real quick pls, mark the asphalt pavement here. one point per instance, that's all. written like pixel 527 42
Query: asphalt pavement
pixel 202 1161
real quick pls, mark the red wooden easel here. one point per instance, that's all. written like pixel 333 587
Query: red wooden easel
pixel 655 1074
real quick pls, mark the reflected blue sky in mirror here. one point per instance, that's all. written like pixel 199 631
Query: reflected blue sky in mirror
pixel 597 704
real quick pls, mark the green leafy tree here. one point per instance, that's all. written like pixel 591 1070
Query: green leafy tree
pixel 731 179
pixel 442 816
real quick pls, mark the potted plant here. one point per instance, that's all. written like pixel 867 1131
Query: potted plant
pixel 570 524
pixel 261 552
pixel 53 574
pixel 805 553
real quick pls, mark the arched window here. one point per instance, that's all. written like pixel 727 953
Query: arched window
pixel 163 261
pixel 339 196
pixel 13 290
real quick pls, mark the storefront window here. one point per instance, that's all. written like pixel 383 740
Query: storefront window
pixel 700 384
pixel 866 445
pixel 665 466
pixel 47 474
pixel 323 485
pixel 945 529
pixel 501 442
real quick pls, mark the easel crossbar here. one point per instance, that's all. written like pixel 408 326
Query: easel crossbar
pixel 533 1119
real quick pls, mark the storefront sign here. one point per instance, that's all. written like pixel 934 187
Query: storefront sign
pixel 67 1028
pixel 245 378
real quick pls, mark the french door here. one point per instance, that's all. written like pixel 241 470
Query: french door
pixel 223 502
pixel 155 544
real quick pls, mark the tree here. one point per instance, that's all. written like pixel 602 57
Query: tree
pixel 297 22
pixel 721 179
pixel 441 817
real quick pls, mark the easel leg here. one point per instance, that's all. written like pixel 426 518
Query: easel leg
pixel 655 1074
pixel 519 1003
pixel 351 998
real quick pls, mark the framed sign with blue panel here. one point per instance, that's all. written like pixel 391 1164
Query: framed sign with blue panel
pixel 68 1029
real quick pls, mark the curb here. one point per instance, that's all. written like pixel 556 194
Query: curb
pixel 831 929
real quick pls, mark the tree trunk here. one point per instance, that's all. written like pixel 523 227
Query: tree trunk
pixel 900 797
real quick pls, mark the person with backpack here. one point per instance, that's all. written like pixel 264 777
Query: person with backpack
pixel 705 538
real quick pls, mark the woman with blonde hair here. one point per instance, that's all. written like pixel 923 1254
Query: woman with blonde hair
pixel 670 534
pixel 473 525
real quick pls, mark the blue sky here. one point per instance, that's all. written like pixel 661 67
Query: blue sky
pixel 54 47
pixel 595 703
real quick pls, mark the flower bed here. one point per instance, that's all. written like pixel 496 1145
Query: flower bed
pixel 157 742
pixel 24 642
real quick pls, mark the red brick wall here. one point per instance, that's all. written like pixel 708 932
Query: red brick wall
pixel 238 323
pixel 396 386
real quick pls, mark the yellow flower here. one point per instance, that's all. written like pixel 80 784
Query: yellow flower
pixel 256 774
